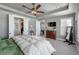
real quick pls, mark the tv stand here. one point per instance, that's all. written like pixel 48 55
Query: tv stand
pixel 51 34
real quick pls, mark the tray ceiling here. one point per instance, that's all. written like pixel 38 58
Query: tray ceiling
pixel 46 7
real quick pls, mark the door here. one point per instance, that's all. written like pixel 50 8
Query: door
pixel 11 25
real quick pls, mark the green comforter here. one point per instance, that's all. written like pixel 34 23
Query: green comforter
pixel 8 47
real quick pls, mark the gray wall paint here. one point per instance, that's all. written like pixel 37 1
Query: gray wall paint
pixel 4 22
pixel 77 29
pixel 57 20
pixel 3 25
pixel 58 23
pixel 32 22
pixel 77 25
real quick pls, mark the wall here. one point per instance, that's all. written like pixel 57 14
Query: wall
pixel 3 25
pixel 4 28
pixel 32 25
pixel 77 29
pixel 77 25
pixel 57 19
pixel 38 29
pixel 57 25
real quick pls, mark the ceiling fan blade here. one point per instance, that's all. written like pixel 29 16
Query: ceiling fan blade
pixel 38 6
pixel 40 11
pixel 26 7
pixel 33 6
pixel 28 12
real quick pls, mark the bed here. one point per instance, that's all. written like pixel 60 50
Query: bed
pixel 33 45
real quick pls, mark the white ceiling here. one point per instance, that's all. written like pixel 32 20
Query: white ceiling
pixel 46 7
pixel 73 8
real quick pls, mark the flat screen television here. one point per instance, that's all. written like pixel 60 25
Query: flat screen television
pixel 51 24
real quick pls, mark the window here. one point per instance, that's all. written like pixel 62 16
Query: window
pixel 69 21
pixel 64 23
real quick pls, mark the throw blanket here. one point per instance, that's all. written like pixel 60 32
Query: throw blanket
pixel 33 45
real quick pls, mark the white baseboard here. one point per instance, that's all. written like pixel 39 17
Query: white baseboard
pixel 60 39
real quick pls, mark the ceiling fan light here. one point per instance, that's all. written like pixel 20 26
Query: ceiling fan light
pixel 34 12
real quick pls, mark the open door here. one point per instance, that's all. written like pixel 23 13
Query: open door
pixel 11 25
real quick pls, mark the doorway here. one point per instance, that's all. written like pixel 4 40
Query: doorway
pixel 22 26
pixel 18 26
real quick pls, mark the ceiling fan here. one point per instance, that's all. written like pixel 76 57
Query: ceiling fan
pixel 34 10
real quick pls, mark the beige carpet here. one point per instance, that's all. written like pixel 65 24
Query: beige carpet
pixel 63 48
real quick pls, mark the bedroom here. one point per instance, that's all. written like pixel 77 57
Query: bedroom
pixel 11 16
